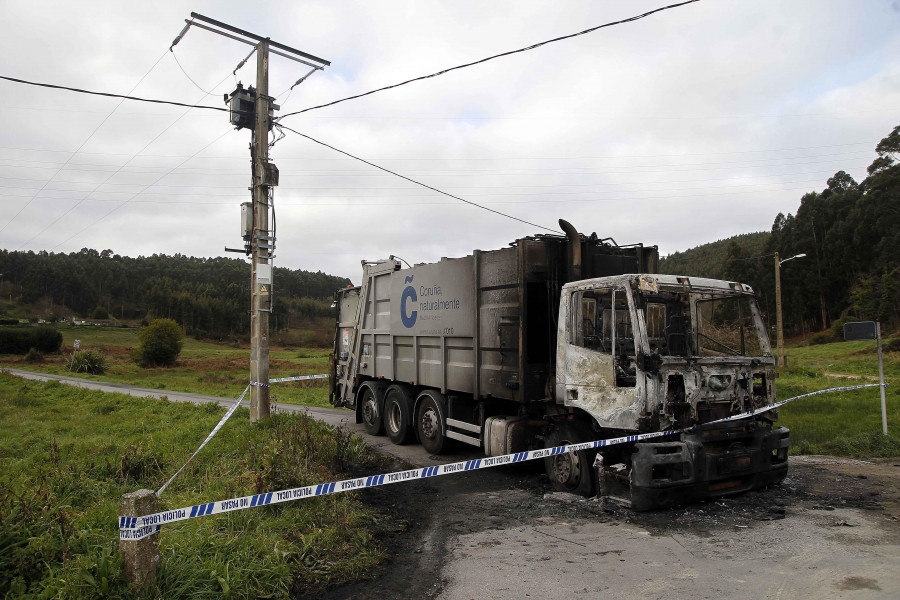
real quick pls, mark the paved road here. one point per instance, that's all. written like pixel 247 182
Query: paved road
pixel 412 454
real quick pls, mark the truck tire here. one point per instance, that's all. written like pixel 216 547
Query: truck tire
pixel 397 408
pixel 430 423
pixel 571 472
pixel 372 410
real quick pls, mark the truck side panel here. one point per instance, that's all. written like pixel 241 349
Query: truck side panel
pixel 499 323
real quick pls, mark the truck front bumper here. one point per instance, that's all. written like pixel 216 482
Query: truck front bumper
pixel 724 459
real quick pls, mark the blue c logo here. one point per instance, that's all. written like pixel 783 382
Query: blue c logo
pixel 409 293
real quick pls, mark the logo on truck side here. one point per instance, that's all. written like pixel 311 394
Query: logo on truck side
pixel 409 293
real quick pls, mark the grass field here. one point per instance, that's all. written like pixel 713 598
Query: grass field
pixel 845 423
pixel 67 455
pixel 203 368
pixel 842 423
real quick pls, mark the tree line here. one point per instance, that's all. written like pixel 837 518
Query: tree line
pixel 850 235
pixel 206 296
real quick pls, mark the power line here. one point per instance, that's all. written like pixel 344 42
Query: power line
pixel 123 96
pixel 641 169
pixel 126 201
pixel 84 143
pixel 191 79
pixel 668 186
pixel 355 199
pixel 424 185
pixel 305 158
pixel 484 60
pixel 117 171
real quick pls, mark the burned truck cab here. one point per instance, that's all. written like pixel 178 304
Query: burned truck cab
pixel 641 353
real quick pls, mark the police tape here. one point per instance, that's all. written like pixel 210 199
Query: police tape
pixel 286 379
pixel 227 416
pixel 215 430
pixel 136 528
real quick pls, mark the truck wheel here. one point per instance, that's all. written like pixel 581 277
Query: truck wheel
pixel 430 425
pixel 397 405
pixel 371 412
pixel 571 471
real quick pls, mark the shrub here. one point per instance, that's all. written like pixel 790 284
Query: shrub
pixel 837 327
pixel 824 337
pixel 101 313
pixel 160 343
pixel 21 340
pixel 34 356
pixel 47 339
pixel 88 361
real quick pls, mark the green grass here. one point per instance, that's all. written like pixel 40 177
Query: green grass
pixel 841 423
pixel 68 454
pixel 203 367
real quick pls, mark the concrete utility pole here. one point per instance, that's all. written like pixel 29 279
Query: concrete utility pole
pixel 261 269
pixel 260 245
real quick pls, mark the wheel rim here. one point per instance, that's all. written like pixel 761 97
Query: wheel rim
pixel 568 468
pixel 430 425
pixel 394 417
pixel 370 409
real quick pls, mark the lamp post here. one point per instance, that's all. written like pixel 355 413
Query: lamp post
pixel 779 324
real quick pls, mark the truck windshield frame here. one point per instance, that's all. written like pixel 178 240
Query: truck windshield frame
pixel 708 323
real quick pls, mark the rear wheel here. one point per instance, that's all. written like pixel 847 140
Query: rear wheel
pixel 397 406
pixel 571 471
pixel 371 410
pixel 429 424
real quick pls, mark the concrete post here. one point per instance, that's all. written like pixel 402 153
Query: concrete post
pixel 260 294
pixel 141 557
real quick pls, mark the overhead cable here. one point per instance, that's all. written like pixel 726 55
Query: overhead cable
pixel 191 79
pixel 424 185
pixel 484 60
pixel 111 95
pixel 83 144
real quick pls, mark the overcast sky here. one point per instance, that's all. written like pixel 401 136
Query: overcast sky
pixel 691 125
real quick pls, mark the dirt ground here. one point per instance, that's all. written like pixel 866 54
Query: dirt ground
pixel 831 530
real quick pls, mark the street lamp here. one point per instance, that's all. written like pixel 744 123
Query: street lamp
pixel 779 323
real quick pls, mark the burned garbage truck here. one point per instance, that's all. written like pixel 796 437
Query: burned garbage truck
pixel 561 339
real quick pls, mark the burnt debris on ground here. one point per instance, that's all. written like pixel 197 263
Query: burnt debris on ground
pixel 419 518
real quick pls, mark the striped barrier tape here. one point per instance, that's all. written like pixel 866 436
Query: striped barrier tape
pixel 286 379
pixel 215 430
pixel 228 416
pixel 135 528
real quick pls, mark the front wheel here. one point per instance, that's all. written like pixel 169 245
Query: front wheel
pixel 571 471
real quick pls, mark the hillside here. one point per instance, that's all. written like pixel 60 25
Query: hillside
pixel 845 240
pixel 208 296
pixel 709 260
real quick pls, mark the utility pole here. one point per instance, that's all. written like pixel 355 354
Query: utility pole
pixel 254 109
pixel 261 268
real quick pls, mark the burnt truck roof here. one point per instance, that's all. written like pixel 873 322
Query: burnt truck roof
pixel 647 282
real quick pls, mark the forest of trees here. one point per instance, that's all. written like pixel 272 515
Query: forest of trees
pixel 709 260
pixel 850 233
pixel 207 296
